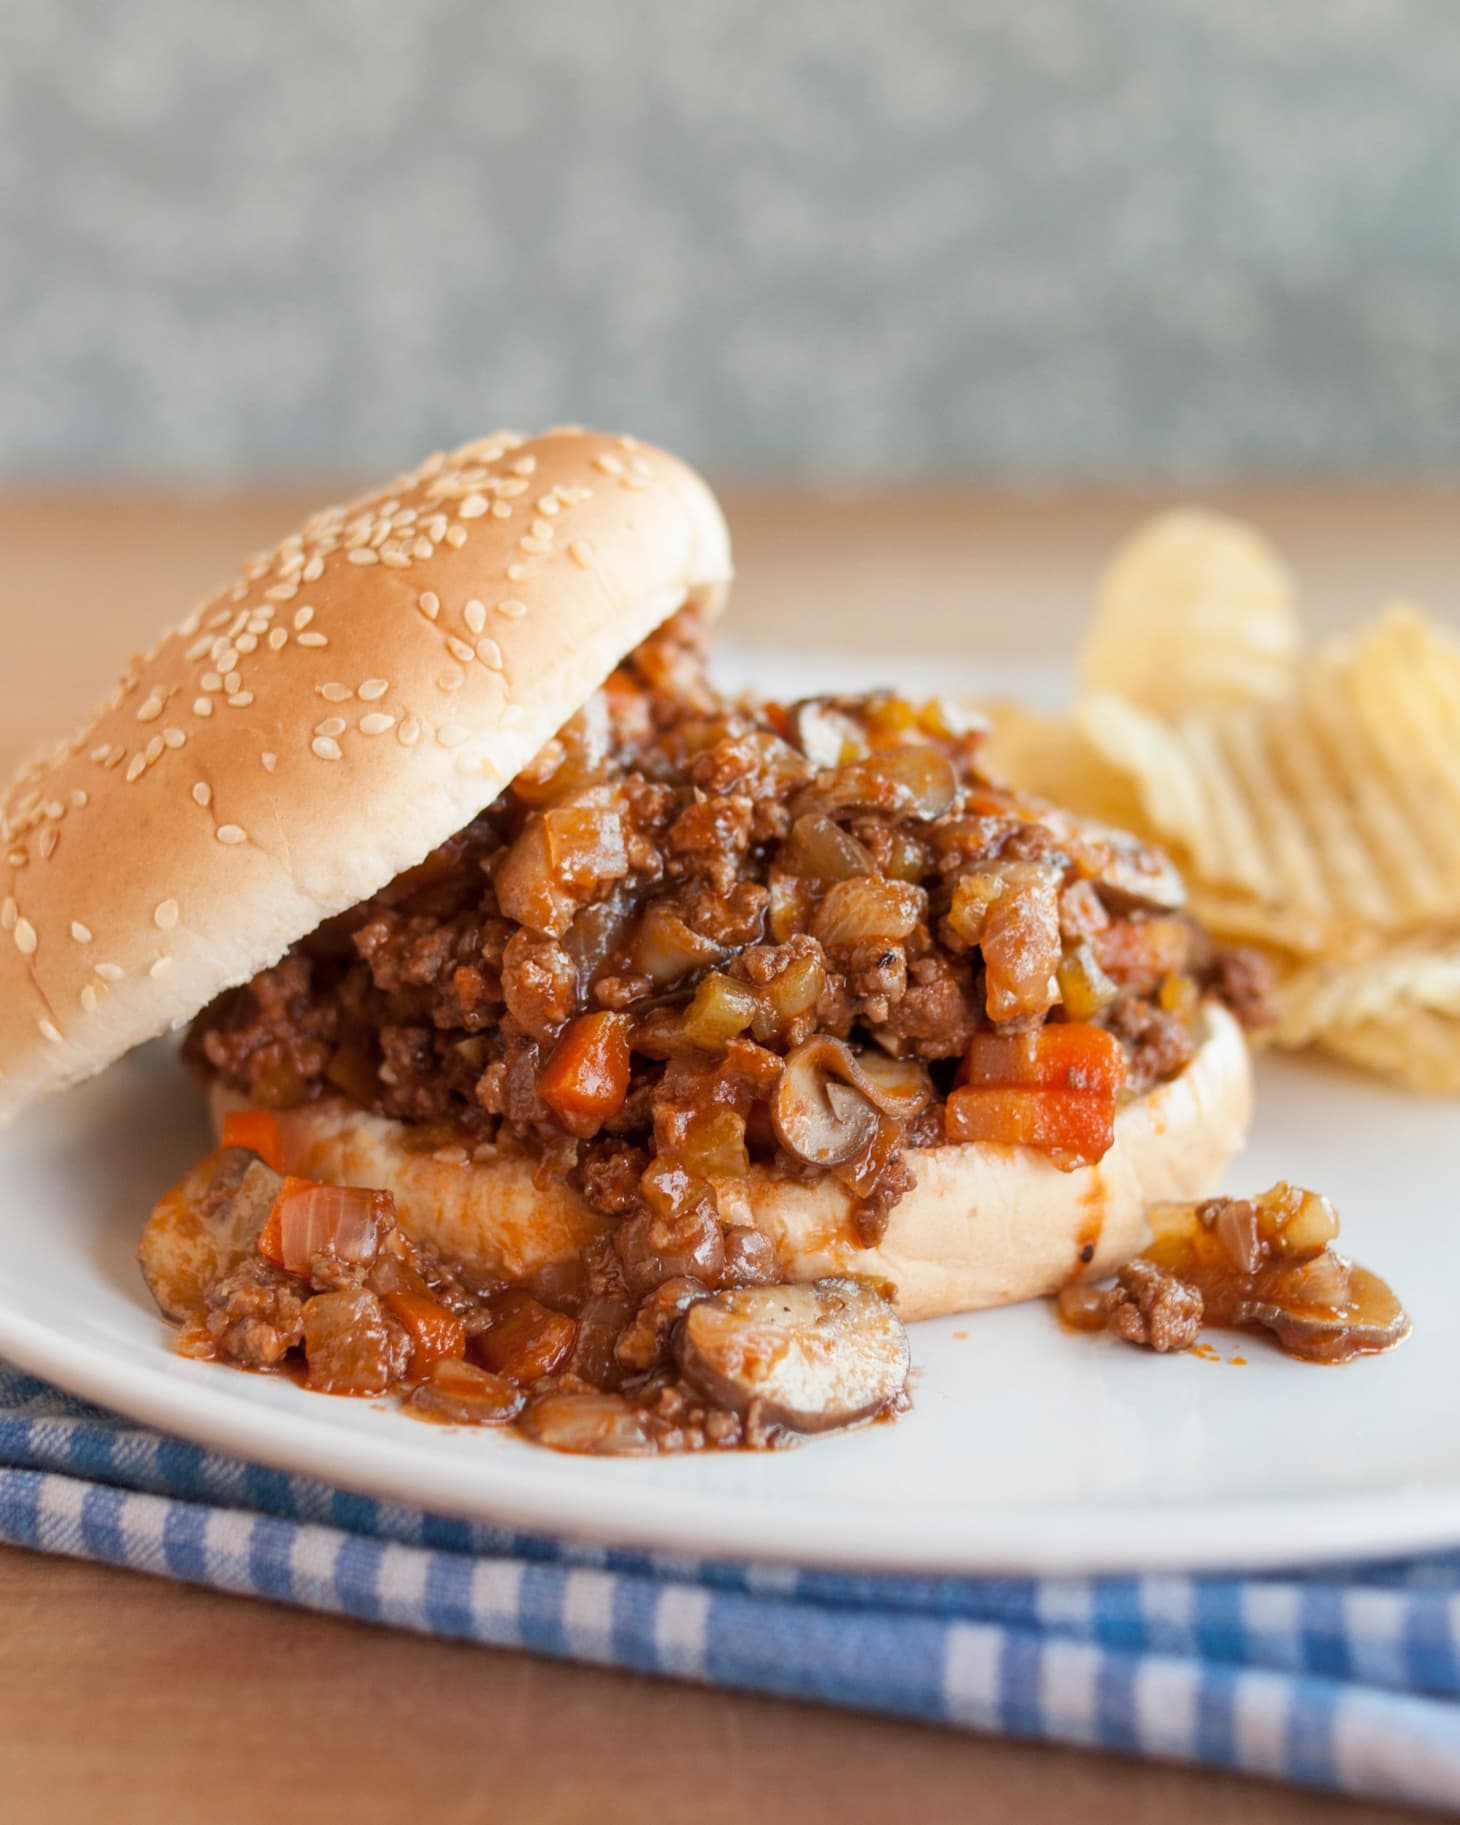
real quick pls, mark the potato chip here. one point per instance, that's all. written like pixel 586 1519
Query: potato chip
pixel 1326 997
pixel 1195 609
pixel 1415 1048
pixel 1307 821
pixel 1048 757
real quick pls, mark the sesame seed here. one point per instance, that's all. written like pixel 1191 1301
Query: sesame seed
pixel 136 767
pixel 459 650
pixel 547 503
pixel 395 558
pixel 26 941
pixel 302 618
pixel 165 915
pixel 475 615
pixel 422 548
pixel 581 552
pixel 281 592
pixel 49 1030
pixel 101 753
pixel 174 738
pixel 152 753
pixel 312 639
pixel 608 464
pixel 472 507
pixel 47 842
pixel 451 681
pixel 81 933
pixel 373 688
pixel 233 683
pixel 202 793
pixel 326 749
pixel 501 511
pixel 335 693
pixel 202 706
pixel 269 762
pixel 512 609
pixel 489 652
pixel 152 708
pixel 436 527
pixel 211 681
pixel 278 639
pixel 88 997
pixel 362 554
pixel 332 725
pixel 109 972
pixel 240 700
pixel 542 529
pixel 409 733
pixel 452 736
pixel 537 546
pixel 197 649
pixel 161 966
pixel 313 570
pixel 524 465
pixel 519 573
pixel 376 723
pixel 456 537
pixel 429 604
pixel 231 833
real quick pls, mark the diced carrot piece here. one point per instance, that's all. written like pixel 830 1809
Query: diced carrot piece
pixel 1080 1124
pixel 258 1130
pixel 526 1340
pixel 435 1332
pixel 1060 1055
pixel 586 1080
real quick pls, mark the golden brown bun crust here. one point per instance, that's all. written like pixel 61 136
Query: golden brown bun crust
pixel 319 726
pixel 982 1226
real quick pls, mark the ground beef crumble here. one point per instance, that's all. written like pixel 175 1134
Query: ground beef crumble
pixel 727 885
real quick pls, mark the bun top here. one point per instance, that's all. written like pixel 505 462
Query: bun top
pixel 322 724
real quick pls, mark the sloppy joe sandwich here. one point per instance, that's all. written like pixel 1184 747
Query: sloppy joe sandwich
pixel 590 1049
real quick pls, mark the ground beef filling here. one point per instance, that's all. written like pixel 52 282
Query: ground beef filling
pixel 699 934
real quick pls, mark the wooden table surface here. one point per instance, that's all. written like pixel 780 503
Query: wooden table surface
pixel 126 1699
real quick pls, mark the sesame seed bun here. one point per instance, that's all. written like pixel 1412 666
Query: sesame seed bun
pixel 323 723
pixel 982 1226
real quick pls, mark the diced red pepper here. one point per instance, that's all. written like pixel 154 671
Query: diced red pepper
pixel 435 1332
pixel 586 1080
pixel 258 1130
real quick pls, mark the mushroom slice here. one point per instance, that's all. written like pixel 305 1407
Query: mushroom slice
pixel 826 1102
pixel 588 1425
pixel 812 1357
pixel 204 1227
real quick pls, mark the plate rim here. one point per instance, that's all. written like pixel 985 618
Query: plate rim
pixel 1254 1535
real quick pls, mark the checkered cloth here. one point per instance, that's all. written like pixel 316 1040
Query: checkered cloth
pixel 1346 1678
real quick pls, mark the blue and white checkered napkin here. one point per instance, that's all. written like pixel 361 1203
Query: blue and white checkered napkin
pixel 1347 1678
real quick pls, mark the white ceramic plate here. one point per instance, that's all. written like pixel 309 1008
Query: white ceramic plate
pixel 1028 1450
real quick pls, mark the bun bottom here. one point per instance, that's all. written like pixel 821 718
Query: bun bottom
pixel 983 1225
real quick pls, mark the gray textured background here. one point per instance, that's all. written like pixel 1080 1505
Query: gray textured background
pixel 1047 238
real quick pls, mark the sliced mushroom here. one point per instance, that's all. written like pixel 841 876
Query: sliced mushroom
pixel 1328 1323
pixel 204 1227
pixel 810 1357
pixel 1139 877
pixel 828 1097
pixel 818 1119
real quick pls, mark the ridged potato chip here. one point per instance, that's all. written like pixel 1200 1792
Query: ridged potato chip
pixel 1415 1048
pixel 1319 819
pixel 1328 997
pixel 1195 609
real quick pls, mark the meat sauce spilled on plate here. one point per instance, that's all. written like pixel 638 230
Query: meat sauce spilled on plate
pixel 1266 1263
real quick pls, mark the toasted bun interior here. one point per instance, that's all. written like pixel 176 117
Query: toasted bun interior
pixel 982 1226
pixel 320 725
